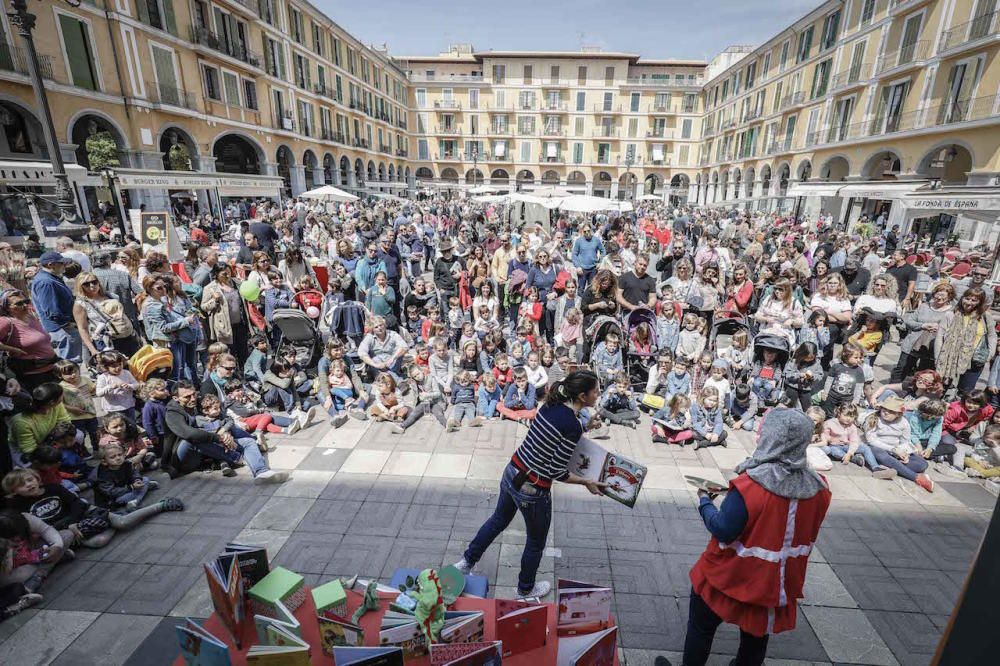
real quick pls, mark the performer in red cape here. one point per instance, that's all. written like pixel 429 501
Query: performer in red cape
pixel 752 572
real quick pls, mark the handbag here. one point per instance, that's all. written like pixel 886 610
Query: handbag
pixel 982 353
pixel 694 299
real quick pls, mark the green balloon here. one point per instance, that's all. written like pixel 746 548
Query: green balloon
pixel 249 290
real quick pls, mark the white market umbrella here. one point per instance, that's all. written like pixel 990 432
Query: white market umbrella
pixel 550 192
pixel 585 203
pixel 650 197
pixel 484 189
pixel 328 193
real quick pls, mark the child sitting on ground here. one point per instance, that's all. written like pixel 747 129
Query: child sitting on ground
pixel 537 376
pixel 502 371
pixel 815 456
pixel 926 422
pixel 387 400
pixel 463 402
pixel 701 371
pixel 72 466
pixel 489 396
pixel 983 461
pixel 154 413
pixel 691 340
pixel 618 405
pixel 706 420
pixel 888 435
pixel 841 440
pixel 743 407
pixel 117 430
pixel 672 422
pixel 429 399
pixel 79 394
pixel 519 399
pixel 719 380
pixel 607 358
pixel 251 415
pixel 117 482
pixel 256 364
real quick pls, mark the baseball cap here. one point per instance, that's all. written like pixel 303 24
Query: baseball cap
pixel 51 258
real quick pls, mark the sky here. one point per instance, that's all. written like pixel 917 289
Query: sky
pixel 678 29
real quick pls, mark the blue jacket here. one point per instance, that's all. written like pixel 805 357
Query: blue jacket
pixel 605 361
pixel 587 254
pixel 154 418
pixel 163 323
pixel 53 301
pixel 706 423
pixel 514 399
pixel 921 429
pixel 364 273
pixel 463 394
pixel 543 280
pixel 488 401
pixel 614 401
pixel 276 298
pixel 678 385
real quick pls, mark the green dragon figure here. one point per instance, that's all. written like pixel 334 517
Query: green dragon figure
pixel 370 602
pixel 430 604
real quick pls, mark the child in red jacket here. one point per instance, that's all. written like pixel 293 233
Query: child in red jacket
pixel 959 421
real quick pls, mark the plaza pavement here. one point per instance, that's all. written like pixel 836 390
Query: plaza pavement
pixel 889 564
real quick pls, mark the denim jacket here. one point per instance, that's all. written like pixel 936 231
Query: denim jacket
pixel 164 324
pixel 704 422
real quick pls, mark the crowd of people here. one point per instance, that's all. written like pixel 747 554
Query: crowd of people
pixel 392 311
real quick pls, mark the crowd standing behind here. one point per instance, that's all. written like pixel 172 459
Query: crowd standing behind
pixel 119 363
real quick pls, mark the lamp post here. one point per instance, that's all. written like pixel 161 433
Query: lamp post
pixel 629 161
pixel 25 22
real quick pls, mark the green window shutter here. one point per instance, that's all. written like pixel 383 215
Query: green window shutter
pixel 169 18
pixel 77 47
pixel 163 62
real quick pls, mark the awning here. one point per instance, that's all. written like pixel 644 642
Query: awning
pixel 500 148
pixel 228 184
pixel 551 150
pixel 819 189
pixel 885 189
pixel 955 201
pixel 39 174
pixel 658 152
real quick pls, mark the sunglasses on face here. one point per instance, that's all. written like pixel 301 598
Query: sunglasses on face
pixel 15 304
pixel 228 367
pixel 90 283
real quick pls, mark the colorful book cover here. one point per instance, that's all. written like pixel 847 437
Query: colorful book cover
pixel 335 632
pixel 522 629
pixel 225 586
pixel 279 648
pixel 596 649
pixel 406 636
pixel 252 560
pixel 462 627
pixel 368 656
pixel 282 618
pixel 199 647
pixel 467 654
pixel 624 478
pixel 583 608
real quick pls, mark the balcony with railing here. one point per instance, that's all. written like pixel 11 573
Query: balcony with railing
pixel 439 77
pixel 448 130
pixel 605 132
pixel 793 99
pixel 493 130
pixel 554 106
pixel 780 146
pixel 659 109
pixel 401 153
pixel 14 59
pixel 853 76
pixel 729 123
pixel 448 105
pixel 689 108
pixel 526 105
pixel 607 108
pixel 552 132
pixel 665 82
pixel 283 122
pixel 447 157
pixel 206 37
pixel 978 28
pixel 556 83
pixel 660 133
pixel 909 55
pixel 385 148
pixel 704 160
pixel 708 130
pixel 661 160
pixel 160 93
pixel 328 134
pixel 897 6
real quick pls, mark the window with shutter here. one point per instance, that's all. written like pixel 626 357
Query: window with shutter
pixel 166 80
pixel 79 52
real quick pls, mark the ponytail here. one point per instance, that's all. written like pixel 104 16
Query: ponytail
pixel 567 389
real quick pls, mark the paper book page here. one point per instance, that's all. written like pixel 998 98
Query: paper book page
pixel 588 459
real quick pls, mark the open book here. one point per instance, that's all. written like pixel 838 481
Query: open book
pixel 225 586
pixel 624 477
pixel 597 649
pixel 199 647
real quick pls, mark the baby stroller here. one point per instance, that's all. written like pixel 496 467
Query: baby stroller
pixel 639 360
pixel 769 388
pixel 598 330
pixel 885 321
pixel 724 327
pixel 299 332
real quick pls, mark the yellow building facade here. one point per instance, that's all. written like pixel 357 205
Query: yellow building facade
pixel 878 107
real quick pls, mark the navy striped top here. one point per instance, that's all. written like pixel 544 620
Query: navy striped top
pixel 549 444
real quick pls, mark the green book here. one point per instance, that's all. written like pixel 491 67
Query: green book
pixel 279 585
pixel 330 596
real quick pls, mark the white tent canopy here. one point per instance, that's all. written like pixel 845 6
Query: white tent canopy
pixel 583 203
pixel 328 193
pixel 550 192
pixel 651 197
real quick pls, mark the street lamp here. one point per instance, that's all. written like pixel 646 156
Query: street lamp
pixel 25 22
pixel 629 161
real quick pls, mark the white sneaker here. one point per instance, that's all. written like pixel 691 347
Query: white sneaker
pixel 312 413
pixel 270 476
pixel 540 589
pixel 303 418
pixel 294 426
pixel 464 566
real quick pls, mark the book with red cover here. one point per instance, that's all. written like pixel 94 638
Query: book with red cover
pixel 597 649
pixel 521 626
pixel 225 585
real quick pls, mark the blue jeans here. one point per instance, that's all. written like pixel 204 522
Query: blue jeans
pixel 584 278
pixel 67 344
pixel 740 412
pixel 246 449
pixel 535 504
pixel 133 494
pixel 185 360
pixel 339 396
pixel 908 470
pixel 487 407
pixel 764 388
pixel 463 412
pixel 838 451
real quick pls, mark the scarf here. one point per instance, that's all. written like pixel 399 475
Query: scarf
pixel 955 355
pixel 779 463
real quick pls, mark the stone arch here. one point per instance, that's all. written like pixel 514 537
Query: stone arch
pixel 406 174
pixel 724 185
pixel 748 182
pixel 524 177
pixel 285 160
pixel 835 169
pixel 737 176
pixel 885 164
pixel 626 185
pixel 187 152
pixel 236 153
pixel 804 171
pixel 950 162
pixel 381 171
pixel 499 177
pixel 576 178
pixel 423 173
pixel 449 175
pixel 345 170
pixel 371 170
pixel 89 121
pixel 784 174
pixel 310 168
pixel 392 172
pixel 474 177
pixel 765 179
pixel 652 184
pixel 602 184
pixel 21 133
pixel 329 168
pixel 550 177
pixel 359 172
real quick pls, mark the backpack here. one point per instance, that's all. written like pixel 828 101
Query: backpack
pixel 118 325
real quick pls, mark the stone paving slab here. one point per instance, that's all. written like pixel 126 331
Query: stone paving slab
pixel 882 581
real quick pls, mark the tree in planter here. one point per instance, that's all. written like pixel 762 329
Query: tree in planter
pixel 102 151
